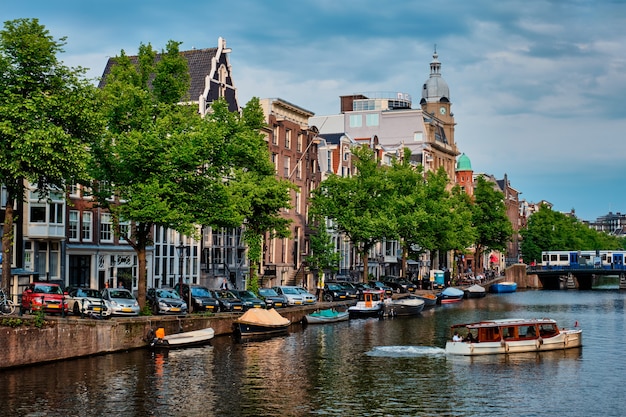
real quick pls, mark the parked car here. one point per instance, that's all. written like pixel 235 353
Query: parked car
pixel 333 292
pixel 202 299
pixel 307 296
pixel 228 300
pixel 381 286
pixel 360 287
pixel 122 301
pixel 399 285
pixel 88 302
pixel 292 294
pixel 165 301
pixel 352 292
pixel 46 296
pixel 272 298
pixel 249 299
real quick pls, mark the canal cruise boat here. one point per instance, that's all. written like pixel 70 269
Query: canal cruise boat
pixel 511 336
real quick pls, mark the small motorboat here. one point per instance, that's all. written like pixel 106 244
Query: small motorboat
pixel 260 322
pixel 450 295
pixel 370 306
pixel 511 336
pixel 180 340
pixel 409 306
pixel 503 287
pixel 475 291
pixel 329 315
pixel 430 300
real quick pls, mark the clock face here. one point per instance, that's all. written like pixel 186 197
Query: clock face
pixel 442 110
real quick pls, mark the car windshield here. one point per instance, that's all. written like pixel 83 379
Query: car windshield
pixel 247 294
pixel 87 293
pixel 225 294
pixel 201 292
pixel 121 294
pixel 290 291
pixel 48 289
pixel 346 285
pixel 167 294
pixel 302 290
pixel 334 287
pixel 267 292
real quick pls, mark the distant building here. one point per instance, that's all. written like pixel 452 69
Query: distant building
pixel 611 223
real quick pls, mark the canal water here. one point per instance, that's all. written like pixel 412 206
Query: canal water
pixel 364 367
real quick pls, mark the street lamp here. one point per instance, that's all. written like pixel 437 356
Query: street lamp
pixel 316 141
pixel 181 250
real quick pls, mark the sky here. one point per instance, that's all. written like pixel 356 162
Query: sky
pixel 538 88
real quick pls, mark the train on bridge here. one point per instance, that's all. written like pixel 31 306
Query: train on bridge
pixel 585 259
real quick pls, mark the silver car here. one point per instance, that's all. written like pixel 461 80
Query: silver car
pixel 122 301
pixel 307 296
pixel 291 293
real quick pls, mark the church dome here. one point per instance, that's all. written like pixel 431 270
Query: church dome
pixel 463 164
pixel 435 89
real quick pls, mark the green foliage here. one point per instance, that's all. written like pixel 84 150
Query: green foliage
pixel 48 117
pixel 39 319
pixel 551 230
pixel 322 251
pixel 145 311
pixel 12 322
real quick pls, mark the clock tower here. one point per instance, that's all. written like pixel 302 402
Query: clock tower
pixel 439 120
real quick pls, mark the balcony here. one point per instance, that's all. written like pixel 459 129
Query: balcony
pixel 42 230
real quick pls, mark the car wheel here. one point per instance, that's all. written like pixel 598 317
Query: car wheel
pixel 328 297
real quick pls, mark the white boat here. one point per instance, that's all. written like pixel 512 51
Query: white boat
pixel 511 336
pixel 370 306
pixel 181 340
pixel 409 306
pixel 329 315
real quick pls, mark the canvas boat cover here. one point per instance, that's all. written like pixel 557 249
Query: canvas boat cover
pixel 265 317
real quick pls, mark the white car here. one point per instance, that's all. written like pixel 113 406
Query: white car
pixel 87 302
pixel 122 301
pixel 291 293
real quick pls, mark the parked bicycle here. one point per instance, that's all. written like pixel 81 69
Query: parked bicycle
pixel 7 306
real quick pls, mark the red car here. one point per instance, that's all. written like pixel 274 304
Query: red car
pixel 44 295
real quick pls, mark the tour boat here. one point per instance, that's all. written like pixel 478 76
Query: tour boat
pixel 511 336
pixel 504 286
pixel 258 321
pixel 329 315
pixel 450 295
pixel 180 340
pixel 409 306
pixel 370 306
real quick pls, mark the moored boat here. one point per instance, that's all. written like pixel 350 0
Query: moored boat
pixel 260 322
pixel 511 336
pixel 503 287
pixel 475 291
pixel 450 295
pixel 329 315
pixel 181 340
pixel 430 300
pixel 370 306
pixel 409 306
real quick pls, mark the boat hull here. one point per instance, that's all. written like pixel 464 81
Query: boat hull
pixel 404 307
pixel 183 340
pixel 327 317
pixel 362 311
pixel 475 291
pixel 567 339
pixel 254 329
pixel 430 300
pixel 503 287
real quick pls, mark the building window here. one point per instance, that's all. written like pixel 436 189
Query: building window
pixel 371 119
pixel 297 202
pixel 37 213
pixel 300 142
pixel 275 162
pixel 106 227
pixel 288 139
pixel 125 228
pixel 86 226
pixel 275 136
pixel 356 120
pixel 56 213
pixel 73 225
pixel 286 165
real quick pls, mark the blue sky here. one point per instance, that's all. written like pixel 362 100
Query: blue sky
pixel 538 88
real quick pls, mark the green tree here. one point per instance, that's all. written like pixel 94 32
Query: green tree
pixel 493 227
pixel 551 230
pixel 358 205
pixel 48 119
pixel 323 255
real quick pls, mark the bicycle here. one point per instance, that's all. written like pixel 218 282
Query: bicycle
pixel 7 306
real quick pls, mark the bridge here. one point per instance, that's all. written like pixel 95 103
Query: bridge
pixel 580 277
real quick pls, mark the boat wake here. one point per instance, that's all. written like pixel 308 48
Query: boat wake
pixel 405 351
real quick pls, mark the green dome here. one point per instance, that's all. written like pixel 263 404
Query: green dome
pixel 463 163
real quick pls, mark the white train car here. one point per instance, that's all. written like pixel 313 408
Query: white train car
pixel 604 259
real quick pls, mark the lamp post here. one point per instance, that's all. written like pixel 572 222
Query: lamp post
pixel 181 250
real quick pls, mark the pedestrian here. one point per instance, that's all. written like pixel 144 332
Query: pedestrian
pixel 224 285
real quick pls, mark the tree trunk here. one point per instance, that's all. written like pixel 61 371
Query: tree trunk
pixel 7 245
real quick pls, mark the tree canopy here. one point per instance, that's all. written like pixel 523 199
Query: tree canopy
pixel 48 119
